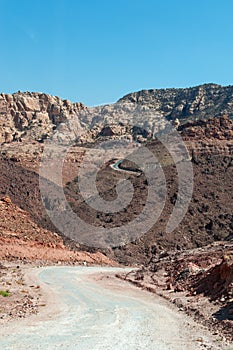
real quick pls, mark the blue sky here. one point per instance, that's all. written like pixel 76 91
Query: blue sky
pixel 97 51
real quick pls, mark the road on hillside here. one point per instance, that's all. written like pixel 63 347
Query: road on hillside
pixel 99 312
pixel 116 166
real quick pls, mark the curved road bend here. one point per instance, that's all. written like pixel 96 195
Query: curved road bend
pixel 116 166
pixel 98 313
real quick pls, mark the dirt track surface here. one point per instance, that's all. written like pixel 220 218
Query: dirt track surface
pixel 87 308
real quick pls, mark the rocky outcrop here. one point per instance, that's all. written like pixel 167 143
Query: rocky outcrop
pixel 213 136
pixel 138 116
pixel 207 270
pixel 219 128
pixel 33 116
pixel 204 101
pixel 197 281
pixel 218 282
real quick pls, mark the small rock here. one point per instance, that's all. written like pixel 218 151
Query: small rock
pixel 200 340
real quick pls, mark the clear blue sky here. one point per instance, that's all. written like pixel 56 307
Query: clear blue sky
pixel 95 51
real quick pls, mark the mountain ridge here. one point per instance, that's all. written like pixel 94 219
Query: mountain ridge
pixel 37 116
pixel 182 103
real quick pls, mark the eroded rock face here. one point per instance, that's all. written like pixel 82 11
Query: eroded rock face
pixel 138 116
pixel 219 128
pixel 33 116
pixel 218 281
pixel 213 136
pixel 208 100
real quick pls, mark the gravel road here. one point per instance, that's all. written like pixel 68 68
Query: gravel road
pixel 88 309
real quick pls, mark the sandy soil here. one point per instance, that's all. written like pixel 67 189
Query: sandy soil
pixel 24 296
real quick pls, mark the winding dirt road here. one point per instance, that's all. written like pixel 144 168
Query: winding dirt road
pixel 89 309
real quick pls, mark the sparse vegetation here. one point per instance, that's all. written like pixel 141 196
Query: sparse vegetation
pixel 4 293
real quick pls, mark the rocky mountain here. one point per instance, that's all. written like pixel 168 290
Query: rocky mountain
pixel 28 119
pixel 139 115
pixel 209 216
pixel 203 101
pixel 196 258
pixel 33 116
